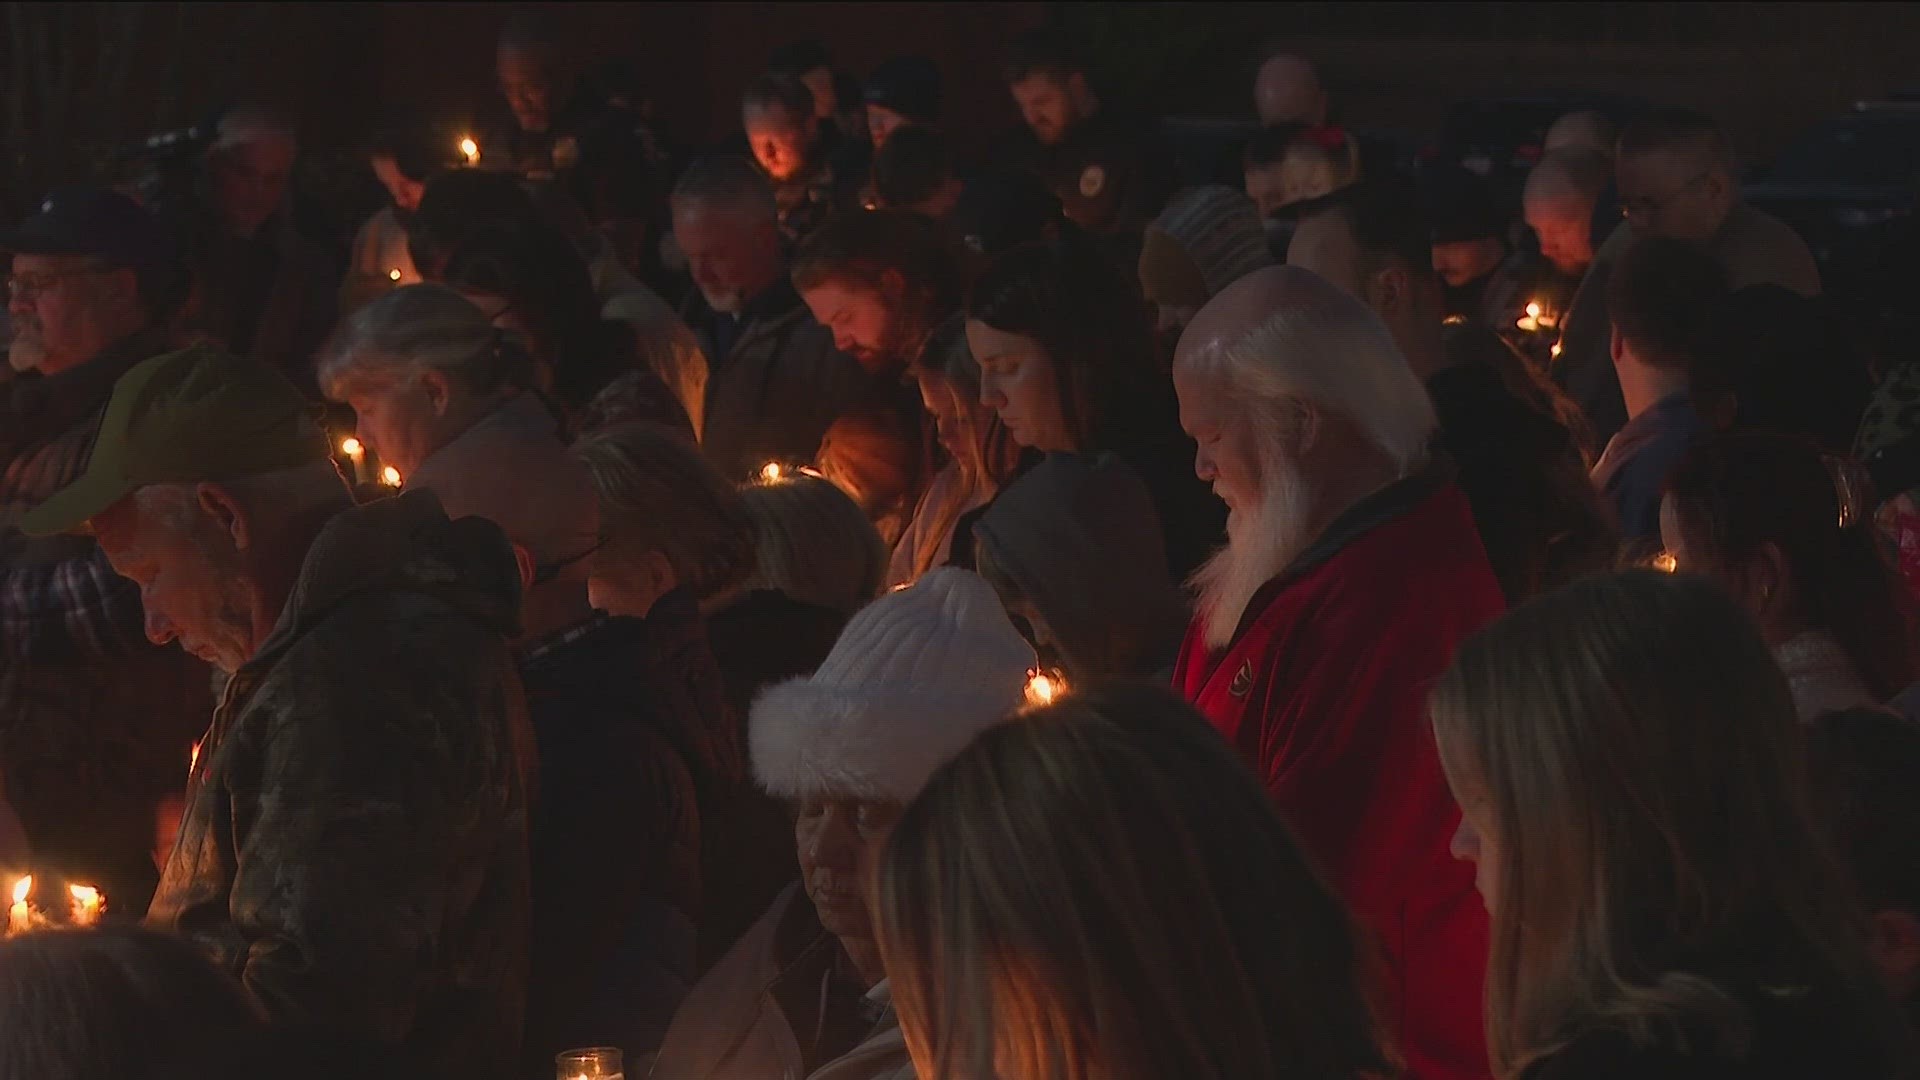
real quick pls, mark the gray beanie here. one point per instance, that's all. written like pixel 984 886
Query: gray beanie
pixel 1216 229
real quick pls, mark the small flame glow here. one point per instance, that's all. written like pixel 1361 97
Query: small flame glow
pixel 1666 563
pixel 1555 351
pixel 87 904
pixel 771 472
pixel 390 476
pixel 352 447
pixel 393 274
pixel 22 889
pixel 470 150
pixel 1533 308
pixel 193 759
pixel 1044 687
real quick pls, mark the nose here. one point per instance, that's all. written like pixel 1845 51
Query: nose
pixel 1203 466
pixel 159 628
pixel 990 394
pixel 1465 845
pixel 831 844
pixel 844 342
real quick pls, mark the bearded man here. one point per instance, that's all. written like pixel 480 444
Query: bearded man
pixel 1351 572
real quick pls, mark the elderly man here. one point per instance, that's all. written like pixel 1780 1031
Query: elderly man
pixel 541 134
pixel 625 783
pixel 775 381
pixel 1538 516
pixel 94 719
pixel 259 287
pixel 1558 203
pixel 913 678
pixel 1351 572
pixel 1287 90
pixel 1676 179
pixel 354 848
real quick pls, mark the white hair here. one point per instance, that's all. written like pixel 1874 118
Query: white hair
pixel 1323 348
pixel 414 329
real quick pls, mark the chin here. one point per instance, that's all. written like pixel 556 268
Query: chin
pixel 1264 534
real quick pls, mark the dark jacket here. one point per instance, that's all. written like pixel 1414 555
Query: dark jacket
pixel 96 723
pixel 354 845
pixel 1632 473
pixel 767 637
pixel 1079 540
pixel 1109 177
pixel 271 297
pixel 616 844
pixel 776 387
pixel 1536 511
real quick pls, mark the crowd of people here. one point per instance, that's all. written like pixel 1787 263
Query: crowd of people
pixel 813 606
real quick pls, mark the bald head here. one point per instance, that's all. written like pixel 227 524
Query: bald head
pixel 1590 131
pixel 1287 91
pixel 1559 202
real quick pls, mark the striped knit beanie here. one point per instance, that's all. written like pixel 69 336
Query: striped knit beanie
pixel 1206 239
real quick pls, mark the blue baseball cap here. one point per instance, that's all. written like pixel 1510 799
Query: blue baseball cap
pixel 97 223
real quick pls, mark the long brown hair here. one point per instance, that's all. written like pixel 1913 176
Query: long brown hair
pixel 1642 765
pixel 1101 890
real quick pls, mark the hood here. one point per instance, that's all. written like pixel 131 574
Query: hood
pixel 1079 536
pixel 405 544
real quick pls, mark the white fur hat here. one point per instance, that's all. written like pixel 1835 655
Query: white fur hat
pixel 914 677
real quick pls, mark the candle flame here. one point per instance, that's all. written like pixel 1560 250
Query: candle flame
pixel 352 447
pixel 1533 309
pixel 1555 351
pixel 390 476
pixel 1666 563
pixel 87 904
pixel 772 472
pixel 22 889
pixel 193 759
pixel 393 274
pixel 470 150
pixel 1044 687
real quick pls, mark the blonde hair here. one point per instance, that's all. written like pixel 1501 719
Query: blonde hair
pixel 1642 765
pixel 814 543
pixel 659 494
pixel 1101 889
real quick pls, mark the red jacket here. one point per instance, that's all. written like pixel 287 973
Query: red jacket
pixel 1324 690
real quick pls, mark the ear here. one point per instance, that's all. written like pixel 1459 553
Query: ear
pixel 1393 290
pixel 523 559
pixel 1896 947
pixel 439 391
pixel 219 504
pixel 1300 430
pixel 1616 345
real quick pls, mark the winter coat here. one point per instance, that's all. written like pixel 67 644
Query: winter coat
pixel 615 847
pixel 751 1017
pixel 1324 689
pixel 354 843
pixel 272 297
pixel 1754 248
pixel 96 723
pixel 778 385
pixel 1079 537
pixel 767 637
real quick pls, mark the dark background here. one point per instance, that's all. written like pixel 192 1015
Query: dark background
pixel 83 78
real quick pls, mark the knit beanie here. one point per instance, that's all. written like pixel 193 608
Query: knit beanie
pixel 814 543
pixel 913 678
pixel 908 85
pixel 1205 240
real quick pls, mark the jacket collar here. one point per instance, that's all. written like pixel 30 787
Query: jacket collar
pixel 1383 506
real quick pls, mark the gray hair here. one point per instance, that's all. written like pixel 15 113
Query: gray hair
pixel 726 183
pixel 421 328
pixel 814 543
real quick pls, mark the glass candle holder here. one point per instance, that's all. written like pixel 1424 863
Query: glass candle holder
pixel 589 1063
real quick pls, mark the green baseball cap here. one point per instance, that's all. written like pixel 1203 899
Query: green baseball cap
pixel 183 417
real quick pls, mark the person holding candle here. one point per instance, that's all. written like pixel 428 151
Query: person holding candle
pixel 1665 901
pixel 403 155
pixel 94 718
pixel 913 678
pixel 354 845
pixel 1101 889
pixel 1351 571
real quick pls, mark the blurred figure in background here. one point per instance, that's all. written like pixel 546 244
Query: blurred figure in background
pixel 1665 900
pixel 1287 90
pixel 1773 360
pixel 1658 297
pixel 1486 280
pixel 1769 518
pixel 404 156
pixel 1677 179
pixel 1587 131
pixel 809 182
pixel 1558 202
pixel 903 90
pixel 914 171
pixel 1093 798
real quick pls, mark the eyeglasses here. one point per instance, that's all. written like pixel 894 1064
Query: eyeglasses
pixel 28 286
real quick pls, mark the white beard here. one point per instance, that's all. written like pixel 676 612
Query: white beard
pixel 1261 540
pixel 27 350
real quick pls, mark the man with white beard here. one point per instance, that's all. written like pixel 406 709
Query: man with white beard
pixel 1351 572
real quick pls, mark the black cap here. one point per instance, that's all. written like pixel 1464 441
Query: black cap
pixel 1462 206
pixel 909 85
pixel 94 222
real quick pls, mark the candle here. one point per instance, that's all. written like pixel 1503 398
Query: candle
pixel 20 916
pixel 390 476
pixel 353 448
pixel 393 274
pixel 470 151
pixel 87 904
pixel 1666 563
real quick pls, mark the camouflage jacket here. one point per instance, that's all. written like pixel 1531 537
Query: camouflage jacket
pixel 354 847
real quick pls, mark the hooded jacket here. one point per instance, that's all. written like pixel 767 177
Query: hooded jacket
pixel 354 842
pixel 1323 689
pixel 761 1011
pixel 1079 539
